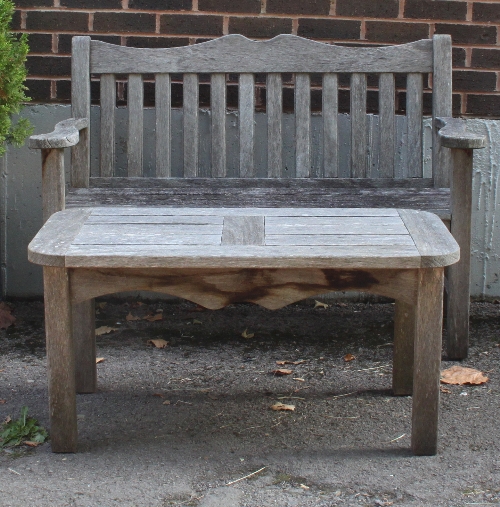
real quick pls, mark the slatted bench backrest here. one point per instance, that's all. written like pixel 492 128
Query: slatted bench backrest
pixel 234 54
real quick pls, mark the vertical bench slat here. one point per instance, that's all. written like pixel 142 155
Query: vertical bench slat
pixel 414 91
pixel 387 115
pixel 108 105
pixel 274 109
pixel 218 105
pixel 247 127
pixel 303 125
pixel 163 103
pixel 358 125
pixel 190 108
pixel 135 124
pixel 330 128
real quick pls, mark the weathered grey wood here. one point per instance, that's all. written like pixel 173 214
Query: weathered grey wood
pixel 453 134
pixel 358 126
pixel 427 360
pixel 191 109
pixel 302 125
pixel 246 99
pixel 330 109
pixel 85 350
pixel 387 111
pixel 274 108
pixel 218 106
pixel 163 104
pixel 60 360
pixel 338 239
pixel 108 106
pixel 53 187
pixel 285 53
pixel 458 299
pixel 153 219
pixel 80 108
pixel 66 133
pixel 436 246
pixel 404 340
pixel 243 230
pixel 135 101
pixel 441 107
pixel 414 106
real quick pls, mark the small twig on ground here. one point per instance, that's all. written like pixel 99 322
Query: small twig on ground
pixel 396 439
pixel 342 417
pixel 342 395
pixel 374 368
pixel 180 401
pixel 246 476
pixel 290 398
pixel 13 471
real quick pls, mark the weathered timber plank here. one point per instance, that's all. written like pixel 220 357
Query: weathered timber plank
pixel 218 106
pixel 453 134
pixel 404 340
pixel 302 125
pixel 246 124
pixel 274 107
pixel 330 128
pixel 358 126
pixel 53 187
pixel 338 239
pixel 285 53
pixel 163 104
pixel 191 110
pixel 414 106
pixel 243 230
pixel 387 111
pixel 148 218
pixel 66 133
pixel 343 226
pixel 135 101
pixel 108 106
pixel 83 316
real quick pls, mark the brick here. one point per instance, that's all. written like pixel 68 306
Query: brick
pixel 124 22
pixel 232 97
pixel 48 66
pixel 399 33
pixel 458 57
pixel 321 7
pixel 469 34
pixel 33 3
pixel 38 90
pixel 474 81
pixel 64 45
pixel 483 105
pixel 40 42
pixel 260 27
pixel 161 5
pixel 57 21
pixel 16 20
pixel 486 58
pixel 157 42
pixel 368 8
pixel 229 5
pixel 333 29
pixel 92 4
pixel 63 91
pixel 432 9
pixel 188 24
pixel 427 103
pixel 489 12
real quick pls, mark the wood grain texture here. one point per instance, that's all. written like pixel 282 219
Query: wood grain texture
pixel 427 361
pixel 53 186
pixel 285 53
pixel 60 360
pixel 243 230
pixel 358 126
pixel 83 315
pixel 453 134
pixel 274 108
pixel 404 340
pixel 246 106
pixel 218 107
pixel 135 102
pixel 302 125
pixel 66 133
pixel 387 111
pixel 414 106
pixel 191 110
pixel 108 106
pixel 80 108
pixel 330 125
pixel 163 104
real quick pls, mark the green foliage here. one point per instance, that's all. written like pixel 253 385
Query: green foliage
pixel 13 51
pixel 23 429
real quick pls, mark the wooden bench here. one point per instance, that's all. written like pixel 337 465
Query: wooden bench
pixel 270 234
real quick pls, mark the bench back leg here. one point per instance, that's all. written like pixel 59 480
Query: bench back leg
pixel 84 339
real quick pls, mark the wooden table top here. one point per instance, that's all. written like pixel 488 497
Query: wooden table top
pixel 141 237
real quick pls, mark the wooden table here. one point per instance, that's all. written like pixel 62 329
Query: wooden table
pixel 269 256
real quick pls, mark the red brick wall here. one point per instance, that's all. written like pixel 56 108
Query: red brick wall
pixel 474 26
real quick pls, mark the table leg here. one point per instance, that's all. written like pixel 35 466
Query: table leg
pixel 404 339
pixel 84 340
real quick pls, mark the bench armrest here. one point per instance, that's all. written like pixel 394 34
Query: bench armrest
pixel 453 134
pixel 66 133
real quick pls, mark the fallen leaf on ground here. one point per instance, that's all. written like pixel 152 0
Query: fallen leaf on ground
pixel 319 304
pixel 153 318
pixel 247 335
pixel 102 305
pixel 282 363
pixel 282 407
pixel 303 486
pixel 99 360
pixel 104 330
pixel 445 390
pixel 282 371
pixel 29 443
pixel 299 379
pixel 349 357
pixel 166 402
pixel 131 317
pixel 196 321
pixel 7 419
pixel 460 375
pixel 159 343
pixel 6 319
pixel 159 395
pixel 2 402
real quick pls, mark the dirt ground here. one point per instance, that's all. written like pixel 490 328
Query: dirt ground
pixel 174 426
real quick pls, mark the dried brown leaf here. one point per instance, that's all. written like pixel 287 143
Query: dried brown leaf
pixel 3 402
pixel 247 335
pixel 105 330
pixel 349 357
pixel 445 390
pixel 166 402
pixel 159 343
pixel 282 407
pixel 282 371
pixel 99 360
pixel 196 321
pixel 131 317
pixel 460 375
pixel 29 443
pixel 319 304
pixel 153 318
pixel 158 395
pixel 282 363
pixel 7 419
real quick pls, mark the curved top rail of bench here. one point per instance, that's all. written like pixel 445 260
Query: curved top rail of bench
pixel 284 53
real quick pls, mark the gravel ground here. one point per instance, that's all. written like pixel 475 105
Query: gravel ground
pixel 173 426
